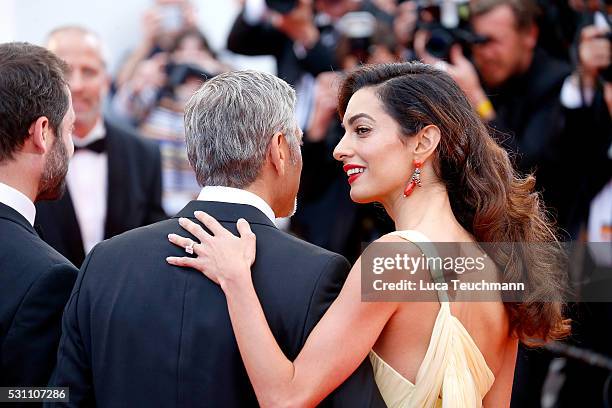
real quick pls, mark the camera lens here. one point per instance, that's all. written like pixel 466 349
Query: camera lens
pixel 440 43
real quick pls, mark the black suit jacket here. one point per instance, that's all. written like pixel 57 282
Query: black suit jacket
pixel 138 332
pixel 35 283
pixel 133 199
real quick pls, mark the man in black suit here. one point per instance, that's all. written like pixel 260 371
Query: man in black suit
pixel 139 332
pixel 36 119
pixel 114 180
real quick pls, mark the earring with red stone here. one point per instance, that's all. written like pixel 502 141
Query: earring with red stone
pixel 415 180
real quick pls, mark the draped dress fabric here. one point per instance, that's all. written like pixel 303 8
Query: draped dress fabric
pixel 453 373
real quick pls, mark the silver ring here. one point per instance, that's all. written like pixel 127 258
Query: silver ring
pixel 189 248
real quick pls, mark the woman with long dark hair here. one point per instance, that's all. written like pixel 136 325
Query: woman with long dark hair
pixel 414 144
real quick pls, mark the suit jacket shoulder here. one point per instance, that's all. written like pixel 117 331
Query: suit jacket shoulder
pixel 35 283
pixel 28 249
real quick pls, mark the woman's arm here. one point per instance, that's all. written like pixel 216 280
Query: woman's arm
pixel 501 390
pixel 334 349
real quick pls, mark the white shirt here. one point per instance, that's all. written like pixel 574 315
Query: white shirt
pixel 18 202
pixel 236 196
pixel 88 184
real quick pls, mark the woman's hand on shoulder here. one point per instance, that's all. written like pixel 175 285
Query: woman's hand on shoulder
pixel 222 257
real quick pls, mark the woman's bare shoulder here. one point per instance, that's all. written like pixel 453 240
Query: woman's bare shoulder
pixel 390 237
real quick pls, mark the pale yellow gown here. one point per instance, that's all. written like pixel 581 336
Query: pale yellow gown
pixel 453 373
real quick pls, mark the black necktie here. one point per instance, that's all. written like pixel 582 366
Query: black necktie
pixel 99 146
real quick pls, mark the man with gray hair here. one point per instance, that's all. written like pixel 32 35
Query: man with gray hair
pixel 139 332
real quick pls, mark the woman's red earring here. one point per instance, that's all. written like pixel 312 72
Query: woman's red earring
pixel 415 180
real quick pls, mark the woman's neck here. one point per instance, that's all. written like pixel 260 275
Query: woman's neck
pixel 427 210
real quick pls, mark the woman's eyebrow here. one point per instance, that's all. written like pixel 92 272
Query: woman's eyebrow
pixel 359 115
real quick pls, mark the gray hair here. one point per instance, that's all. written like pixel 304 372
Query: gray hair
pixel 230 121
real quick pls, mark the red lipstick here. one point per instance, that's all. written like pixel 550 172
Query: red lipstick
pixel 353 176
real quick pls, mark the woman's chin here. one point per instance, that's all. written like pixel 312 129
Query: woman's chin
pixel 360 197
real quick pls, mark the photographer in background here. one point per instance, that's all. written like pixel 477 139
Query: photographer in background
pixel 587 98
pixel 404 25
pixel 515 87
pixel 160 78
pixel 154 100
pixel 161 25
pixel 593 72
pixel 326 215
pixel 300 34
pixel 587 95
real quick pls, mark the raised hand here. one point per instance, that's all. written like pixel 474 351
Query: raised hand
pixel 297 24
pixel 325 106
pixel 461 70
pixel 223 257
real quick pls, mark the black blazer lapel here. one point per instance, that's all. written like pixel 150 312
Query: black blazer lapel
pixel 118 188
pixel 65 220
pixel 68 218
pixel 60 227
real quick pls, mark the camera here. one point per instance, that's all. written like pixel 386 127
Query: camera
pixel 282 6
pixel 357 29
pixel 179 73
pixel 447 22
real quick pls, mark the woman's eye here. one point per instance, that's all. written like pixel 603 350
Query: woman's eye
pixel 361 130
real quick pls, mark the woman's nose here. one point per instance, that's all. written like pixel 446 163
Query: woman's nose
pixel 342 149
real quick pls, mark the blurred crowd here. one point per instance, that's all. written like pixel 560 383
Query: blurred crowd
pixel 538 73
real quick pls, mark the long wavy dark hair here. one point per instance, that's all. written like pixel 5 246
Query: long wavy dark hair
pixel 488 197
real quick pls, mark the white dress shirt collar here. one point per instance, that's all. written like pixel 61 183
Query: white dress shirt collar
pixel 236 196
pixel 98 132
pixel 18 202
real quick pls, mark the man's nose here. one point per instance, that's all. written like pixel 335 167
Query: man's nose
pixel 76 81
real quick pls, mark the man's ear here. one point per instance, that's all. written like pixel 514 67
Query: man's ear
pixel 40 136
pixel 427 141
pixel 276 153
